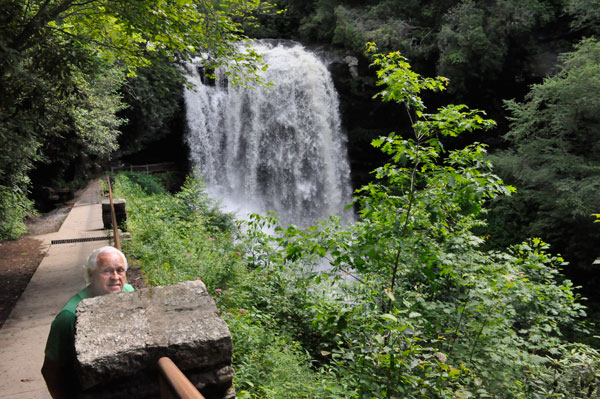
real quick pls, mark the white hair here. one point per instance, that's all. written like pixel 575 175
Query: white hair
pixel 92 261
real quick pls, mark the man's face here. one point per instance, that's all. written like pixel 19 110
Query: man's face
pixel 109 276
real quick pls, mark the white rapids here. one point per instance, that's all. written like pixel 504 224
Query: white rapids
pixel 277 148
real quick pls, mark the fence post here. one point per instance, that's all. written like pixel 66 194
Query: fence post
pixel 113 216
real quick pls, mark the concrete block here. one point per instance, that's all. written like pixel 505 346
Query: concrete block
pixel 120 338
pixel 120 212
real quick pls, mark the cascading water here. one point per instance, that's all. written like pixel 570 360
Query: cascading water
pixel 272 148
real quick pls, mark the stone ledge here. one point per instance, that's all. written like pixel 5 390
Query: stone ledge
pixel 121 336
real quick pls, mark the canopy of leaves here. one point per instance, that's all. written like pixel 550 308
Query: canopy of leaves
pixel 63 63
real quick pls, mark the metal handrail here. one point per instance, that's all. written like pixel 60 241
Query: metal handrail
pixel 113 216
pixel 173 383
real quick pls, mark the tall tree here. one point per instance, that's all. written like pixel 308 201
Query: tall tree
pixel 554 159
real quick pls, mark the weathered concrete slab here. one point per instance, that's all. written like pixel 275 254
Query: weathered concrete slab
pixel 123 335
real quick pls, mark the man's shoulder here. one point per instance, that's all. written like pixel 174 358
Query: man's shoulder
pixel 71 304
pixel 64 316
pixel 63 323
pixel 128 288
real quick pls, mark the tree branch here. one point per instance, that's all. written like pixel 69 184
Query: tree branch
pixel 411 197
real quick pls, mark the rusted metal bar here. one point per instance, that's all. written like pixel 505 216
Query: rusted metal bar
pixel 173 383
pixel 113 216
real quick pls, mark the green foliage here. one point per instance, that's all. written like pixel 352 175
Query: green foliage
pixel 95 117
pixel 270 364
pixel 154 100
pixel 423 195
pixel 407 84
pixel 392 24
pixel 128 33
pixel 146 183
pixel 44 102
pixel 14 206
pixel 319 22
pixel 475 37
pixel 355 26
pixel 180 237
pixel 554 156
pixel 586 14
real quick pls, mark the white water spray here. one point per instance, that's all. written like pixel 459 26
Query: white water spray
pixel 272 148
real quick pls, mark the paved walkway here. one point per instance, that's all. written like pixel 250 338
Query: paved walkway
pixel 58 277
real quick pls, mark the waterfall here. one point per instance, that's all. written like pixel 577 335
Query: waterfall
pixel 279 147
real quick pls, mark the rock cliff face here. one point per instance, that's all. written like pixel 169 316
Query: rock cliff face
pixel 120 338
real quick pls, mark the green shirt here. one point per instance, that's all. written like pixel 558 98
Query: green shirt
pixel 60 346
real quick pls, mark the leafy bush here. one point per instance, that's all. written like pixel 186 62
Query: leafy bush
pixel 181 237
pixel 148 184
pixel 14 207
pixel 270 364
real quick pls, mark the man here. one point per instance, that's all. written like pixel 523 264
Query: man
pixel 104 273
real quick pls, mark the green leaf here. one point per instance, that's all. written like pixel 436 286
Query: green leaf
pixel 389 317
pixel 463 394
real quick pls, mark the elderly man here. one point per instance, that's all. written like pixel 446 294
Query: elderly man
pixel 104 273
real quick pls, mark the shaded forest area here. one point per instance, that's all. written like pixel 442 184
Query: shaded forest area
pixel 84 85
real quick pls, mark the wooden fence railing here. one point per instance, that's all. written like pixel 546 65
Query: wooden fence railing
pixel 148 168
